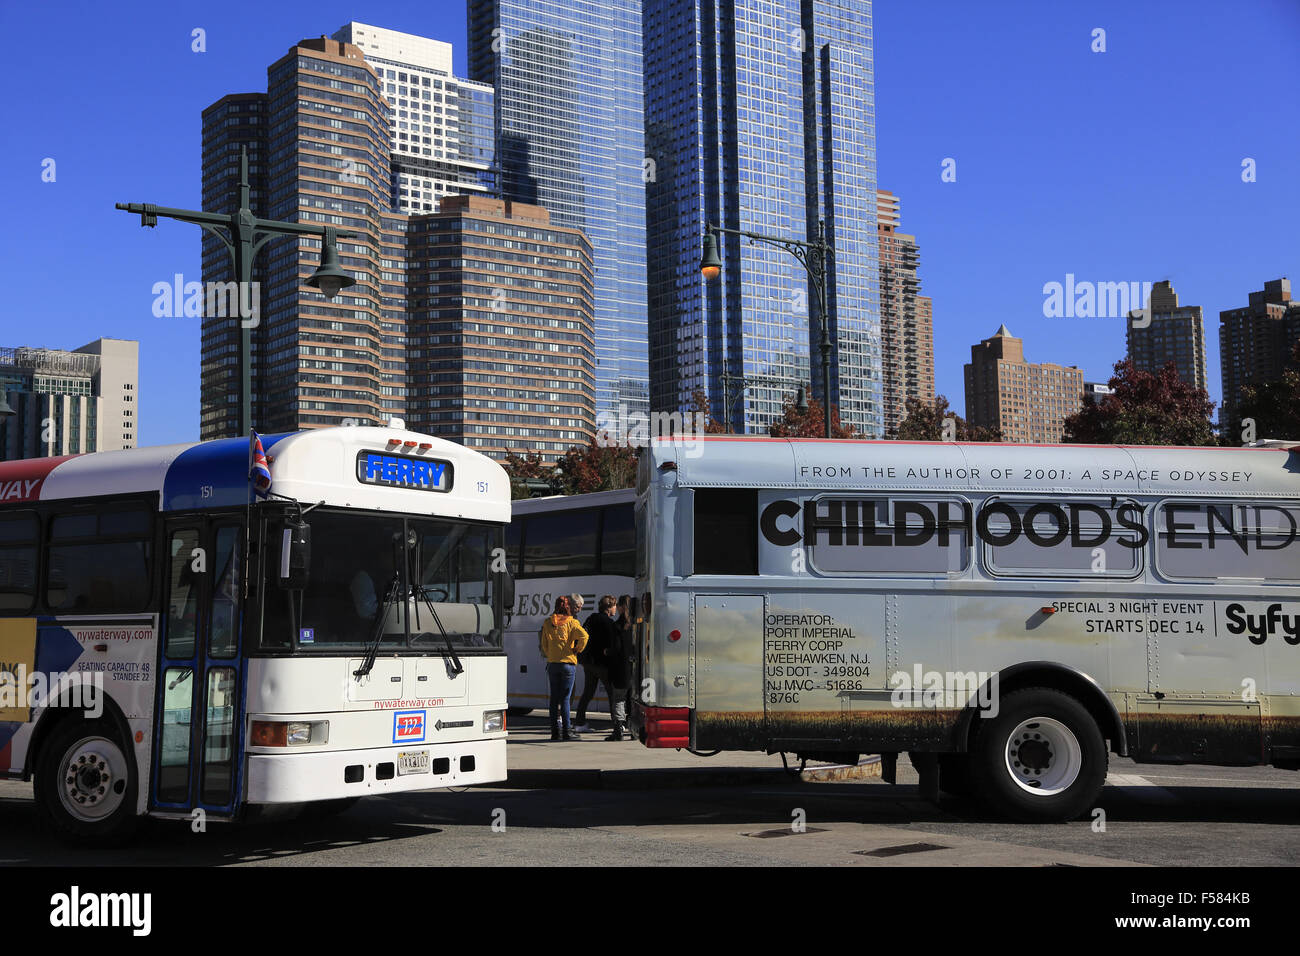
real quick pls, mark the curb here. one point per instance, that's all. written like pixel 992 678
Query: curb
pixel 679 777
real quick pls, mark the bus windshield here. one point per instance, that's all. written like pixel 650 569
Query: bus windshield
pixel 361 563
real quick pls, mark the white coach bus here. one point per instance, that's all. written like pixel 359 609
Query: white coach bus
pixel 562 544
pixel 1006 614
pixel 170 643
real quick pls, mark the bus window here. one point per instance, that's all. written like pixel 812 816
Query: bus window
pixel 224 639
pixel 880 536
pixel 456 575
pixel 514 538
pixel 1209 540
pixel 726 531
pixel 1060 538
pixel 353 560
pixel 18 533
pixel 182 594
pixel 99 562
pixel 560 543
pixel 618 541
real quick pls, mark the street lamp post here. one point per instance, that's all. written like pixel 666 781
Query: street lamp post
pixel 813 257
pixel 244 235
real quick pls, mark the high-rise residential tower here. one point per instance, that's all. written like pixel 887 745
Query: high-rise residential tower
pixel 360 136
pixel 441 134
pixel 760 117
pixel 319 147
pixel 906 320
pixel 501 357
pixel 1165 332
pixel 1026 401
pixel 1256 343
pixel 68 403
pixel 569 136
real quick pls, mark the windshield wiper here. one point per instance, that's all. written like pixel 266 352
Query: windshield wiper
pixel 453 660
pixel 372 649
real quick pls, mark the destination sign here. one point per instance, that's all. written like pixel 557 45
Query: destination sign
pixel 403 471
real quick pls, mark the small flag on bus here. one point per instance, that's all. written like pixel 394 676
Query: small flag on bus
pixel 259 471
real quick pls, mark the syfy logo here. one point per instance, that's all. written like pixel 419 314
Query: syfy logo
pixel 1260 627
pixel 408 726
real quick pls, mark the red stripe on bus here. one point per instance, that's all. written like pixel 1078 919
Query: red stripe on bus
pixel 21 480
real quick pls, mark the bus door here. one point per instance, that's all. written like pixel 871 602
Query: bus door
pixel 198 731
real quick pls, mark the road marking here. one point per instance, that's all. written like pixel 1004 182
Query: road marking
pixel 1127 780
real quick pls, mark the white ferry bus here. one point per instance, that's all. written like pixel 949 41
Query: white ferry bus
pixel 1006 614
pixel 562 544
pixel 170 643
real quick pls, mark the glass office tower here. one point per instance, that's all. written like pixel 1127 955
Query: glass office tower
pixel 760 117
pixel 570 137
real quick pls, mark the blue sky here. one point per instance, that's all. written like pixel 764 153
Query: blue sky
pixel 1117 166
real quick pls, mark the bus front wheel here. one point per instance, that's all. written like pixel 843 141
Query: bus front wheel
pixel 86 783
pixel 1042 759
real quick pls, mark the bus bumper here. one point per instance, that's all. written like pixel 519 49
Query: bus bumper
pixel 301 778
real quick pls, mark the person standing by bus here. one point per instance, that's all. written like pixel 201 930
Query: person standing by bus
pixel 618 667
pixel 563 638
pixel 627 646
pixel 595 670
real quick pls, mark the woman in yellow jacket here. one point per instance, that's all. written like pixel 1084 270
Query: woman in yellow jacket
pixel 562 639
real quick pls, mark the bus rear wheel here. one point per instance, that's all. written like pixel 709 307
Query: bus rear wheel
pixel 86 783
pixel 1042 759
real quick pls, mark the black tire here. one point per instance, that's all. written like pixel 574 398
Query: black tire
pixel 954 775
pixel 519 711
pixel 76 807
pixel 1042 759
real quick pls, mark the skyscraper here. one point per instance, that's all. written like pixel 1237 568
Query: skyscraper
pixel 501 357
pixel 379 132
pixel 1255 343
pixel 1166 332
pixel 906 321
pixel 319 152
pixel 1026 401
pixel 570 137
pixel 760 117
pixel 441 133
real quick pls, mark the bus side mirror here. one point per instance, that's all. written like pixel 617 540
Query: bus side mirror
pixel 507 590
pixel 295 555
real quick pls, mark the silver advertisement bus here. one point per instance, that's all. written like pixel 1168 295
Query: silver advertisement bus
pixel 1008 615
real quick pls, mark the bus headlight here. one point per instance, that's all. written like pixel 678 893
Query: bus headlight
pixel 494 721
pixel 285 733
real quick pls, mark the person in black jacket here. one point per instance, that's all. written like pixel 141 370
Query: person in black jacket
pixel 602 651
pixel 626 633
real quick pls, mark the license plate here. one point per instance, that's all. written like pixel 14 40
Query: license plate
pixel 412 761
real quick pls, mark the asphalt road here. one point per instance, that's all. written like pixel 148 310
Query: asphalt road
pixel 1177 816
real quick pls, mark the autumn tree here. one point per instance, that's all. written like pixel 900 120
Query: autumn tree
pixel 520 468
pixel 700 406
pixel 924 421
pixel 1144 408
pixel 809 423
pixel 597 467
pixel 1271 409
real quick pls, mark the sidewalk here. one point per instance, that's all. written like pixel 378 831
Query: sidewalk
pixel 534 761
